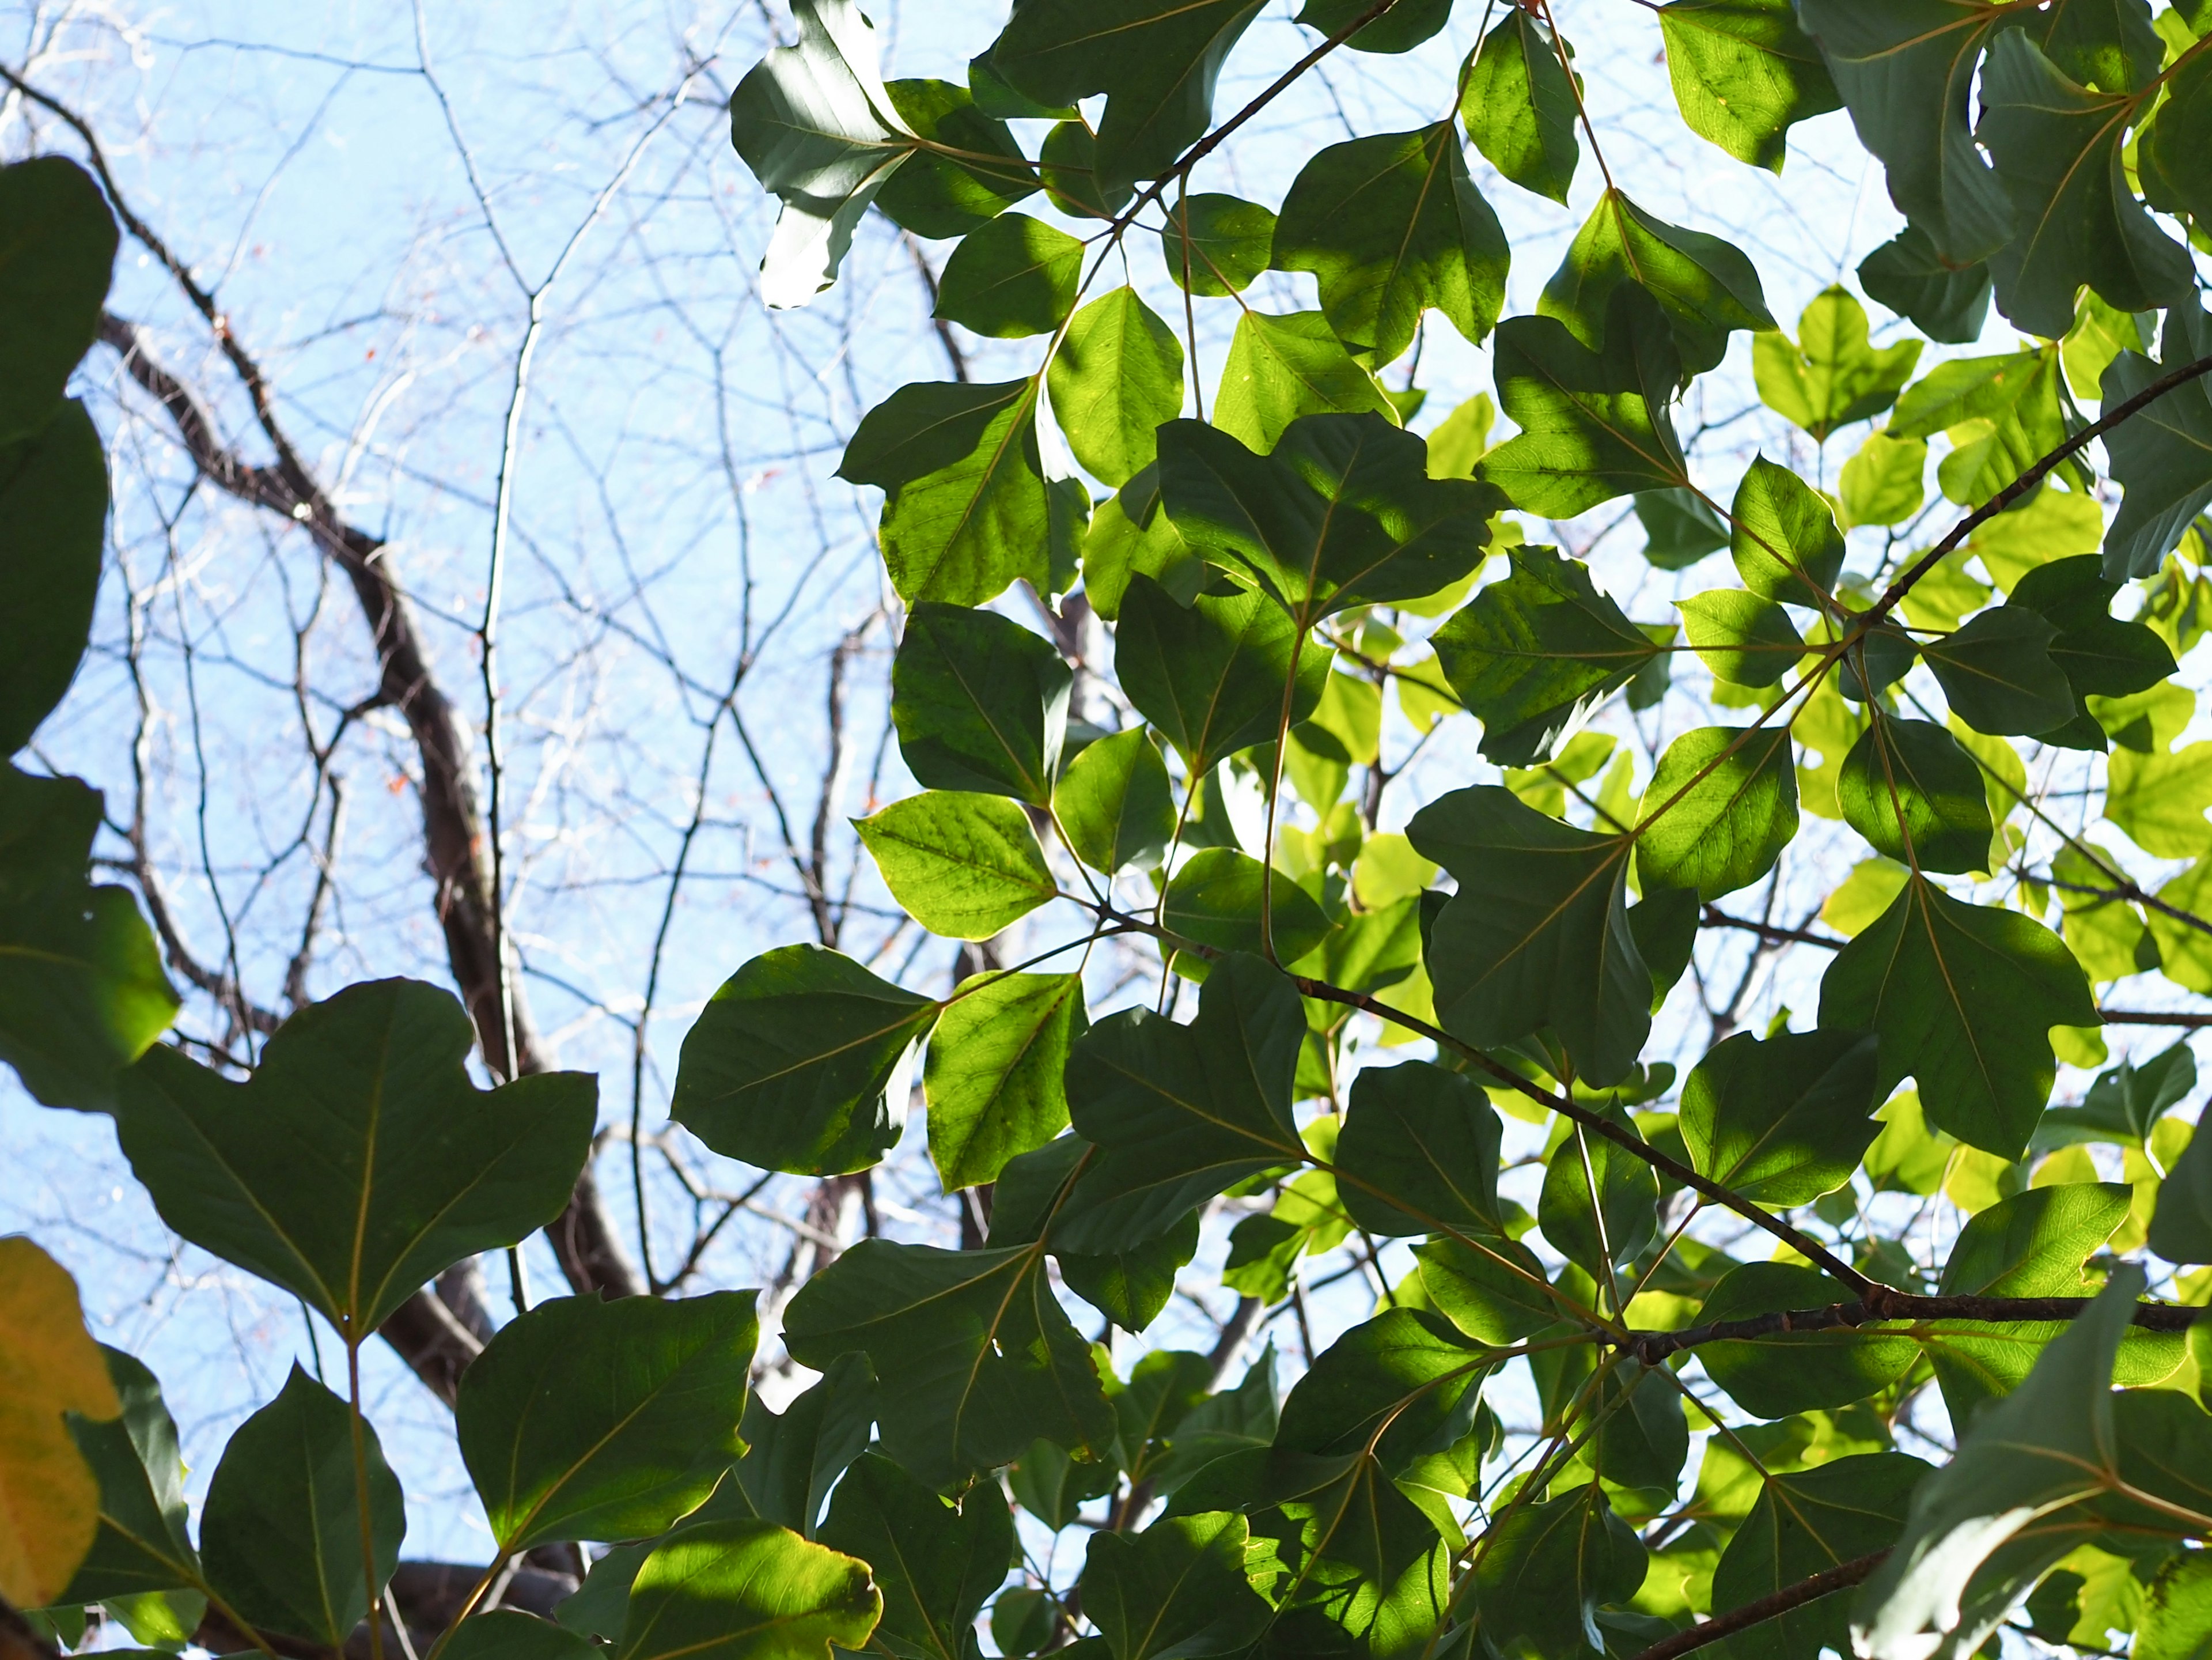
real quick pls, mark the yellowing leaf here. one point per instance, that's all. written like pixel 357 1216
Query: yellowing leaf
pixel 49 1365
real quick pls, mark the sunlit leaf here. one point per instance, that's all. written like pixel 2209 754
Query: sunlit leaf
pixel 963 865
pixel 747 1591
pixel 1782 1119
pixel 1519 106
pixel 1744 74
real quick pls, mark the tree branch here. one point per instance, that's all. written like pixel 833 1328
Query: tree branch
pixel 1839 1577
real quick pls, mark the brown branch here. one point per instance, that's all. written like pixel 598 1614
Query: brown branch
pixel 2153 1018
pixel 18 1641
pixel 1842 1576
pixel 1773 932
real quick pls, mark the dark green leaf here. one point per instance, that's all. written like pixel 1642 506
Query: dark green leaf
pixel 1418 1153
pixel 1784 1119
pixel 56 257
pixel 747 1591
pixel 1130 1287
pixel 1113 803
pixel 143 1543
pixel 281 1532
pixel 2172 177
pixel 964 866
pixel 1396 1386
pixel 1210 676
pixel 2018 393
pixel 1705 287
pixel 2162 455
pixel 1547 1568
pixel 1117 375
pixel 1784 542
pixel 81 991
pixel 1537 936
pixel 1679 528
pixel 973 1357
pixel 1744 74
pixel 981 703
pixel 1176 1591
pixel 2100 655
pixel 358 1161
pixel 1402 28
pixel 1155 61
pixel 584 1419
pixel 1643 1435
pixel 793 1457
pixel 510 1634
pixel 1905 70
pixel 1535 653
pixel 1720 808
pixel 1793 1371
pixel 1391 225
pixel 1917 796
pixel 1013 276
pixel 1240 1419
pixel 1998 674
pixel 934 195
pixel 1067 163
pixel 1023 1619
pixel 2058 149
pixel 1342 512
pixel 1600 1202
pixel 992 1076
pixel 799 1063
pixel 1493 1289
pixel 1281 368
pixel 1181 1113
pixel 1216 899
pixel 1944 303
pixel 2181 1227
pixel 1806 1521
pixel 1131 535
pixel 1594 423
pixel 935 1563
pixel 1743 639
pixel 1963 997
pixel 1829 376
pixel 1215 245
pixel 1519 106
pixel 53 509
pixel 818 128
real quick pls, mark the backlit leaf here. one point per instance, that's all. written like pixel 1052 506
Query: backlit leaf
pixel 964 866
pixel 1705 287
pixel 49 1497
pixel 1720 808
pixel 1113 803
pixel 747 1591
pixel 1215 245
pixel 1743 639
pixel 1013 276
pixel 1216 899
pixel 1829 376
pixel 1117 375
pixel 992 1077
pixel 1744 74
pixel 1782 1119
pixel 981 703
pixel 1210 676
pixel 1519 106
pixel 1784 540
pixel 1917 796
pixel 1281 368
pixel 932 194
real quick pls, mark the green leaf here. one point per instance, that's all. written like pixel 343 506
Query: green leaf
pixel 1395 1386
pixel 1343 513
pixel 1067 164
pixel 1216 897
pixel 1784 541
pixel 1594 423
pixel 1784 1119
pixel 2100 655
pixel 1418 1153
pixel 819 129
pixel 1281 368
pixel 2177 1617
pixel 1945 302
pixel 2016 394
pixel 1113 803
pixel 799 1063
pixel 1904 69
pixel 56 258
pixel 1705 287
pixel 281 1531
pixel 973 1357
pixel 1884 483
pixel 2058 149
pixel 967 508
pixel 1599 1206
pixel 1519 106
pixel 1719 810
pixel 1215 245
pixel 584 1419
pixel 2181 1227
pixel 1829 377
pixel 510 1634
pixel 2034 1243
pixel 1546 1571
pixel 1979 1531
pixel 1998 674
pixel 2160 800
pixel 964 866
pixel 1533 654
pixel 2162 455
pixel 1402 28
pixel 793 1457
pixel 1963 997
pixel 1743 639
pixel 81 991
pixel 144 1543
pixel 1537 935
pixel 1744 74
pixel 2172 178
pixel 1174 1591
pixel 1806 1523
pixel 358 1161
pixel 1023 1619
pixel 1131 535
pixel 1116 377
pixel 1391 225
pixel 747 1591
pixel 981 703
pixel 1679 528
pixel 1181 1113
pixel 1917 796
pixel 1130 1287
pixel 934 1563
pixel 933 194
pixel 1155 61
pixel 1210 676
pixel 1012 277
pixel 992 1077
pixel 1773 1376
pixel 53 511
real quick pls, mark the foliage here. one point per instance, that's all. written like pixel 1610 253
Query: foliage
pixel 1269 573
